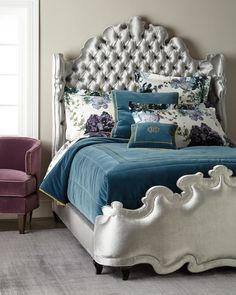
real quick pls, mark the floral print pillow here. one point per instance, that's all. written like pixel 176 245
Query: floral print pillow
pixel 88 114
pixel 195 127
pixel 192 90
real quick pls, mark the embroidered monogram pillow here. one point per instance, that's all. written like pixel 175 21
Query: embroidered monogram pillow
pixel 152 135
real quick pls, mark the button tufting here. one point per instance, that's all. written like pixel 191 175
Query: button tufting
pixel 129 53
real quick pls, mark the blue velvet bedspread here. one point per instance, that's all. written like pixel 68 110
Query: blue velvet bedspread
pixel 97 171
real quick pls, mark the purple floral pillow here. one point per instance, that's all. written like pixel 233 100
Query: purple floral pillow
pixel 204 135
pixel 192 90
pixel 194 127
pixel 88 114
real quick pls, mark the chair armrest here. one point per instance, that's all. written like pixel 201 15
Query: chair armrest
pixel 33 160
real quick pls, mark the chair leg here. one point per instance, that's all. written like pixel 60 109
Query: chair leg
pixel 30 218
pixel 21 223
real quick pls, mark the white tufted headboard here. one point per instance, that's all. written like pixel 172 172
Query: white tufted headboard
pixel 108 62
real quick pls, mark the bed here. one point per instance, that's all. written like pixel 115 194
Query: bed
pixel 187 215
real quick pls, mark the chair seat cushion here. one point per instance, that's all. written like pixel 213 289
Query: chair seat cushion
pixel 15 183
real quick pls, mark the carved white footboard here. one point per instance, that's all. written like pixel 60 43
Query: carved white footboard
pixel 197 227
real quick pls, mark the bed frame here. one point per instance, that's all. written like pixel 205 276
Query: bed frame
pixel 169 230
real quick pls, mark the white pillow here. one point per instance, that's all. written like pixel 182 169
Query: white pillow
pixel 195 127
pixel 88 114
pixel 192 90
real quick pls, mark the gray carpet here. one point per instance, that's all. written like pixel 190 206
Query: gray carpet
pixel 52 262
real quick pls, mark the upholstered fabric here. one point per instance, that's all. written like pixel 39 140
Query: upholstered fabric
pixel 152 135
pixel 16 183
pixel 109 61
pixel 21 153
pixel 123 116
pixel 20 167
pixel 19 205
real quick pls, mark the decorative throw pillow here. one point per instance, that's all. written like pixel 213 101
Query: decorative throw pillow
pixel 192 90
pixel 88 114
pixel 123 115
pixel 152 135
pixel 195 127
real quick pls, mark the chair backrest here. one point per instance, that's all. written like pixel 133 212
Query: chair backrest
pixel 12 152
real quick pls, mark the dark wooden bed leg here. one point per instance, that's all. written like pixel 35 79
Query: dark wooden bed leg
pixel 56 218
pixel 98 267
pixel 125 272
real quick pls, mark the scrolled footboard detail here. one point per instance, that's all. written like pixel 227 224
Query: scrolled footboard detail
pixel 197 227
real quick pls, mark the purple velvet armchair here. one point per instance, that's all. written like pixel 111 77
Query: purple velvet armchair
pixel 20 166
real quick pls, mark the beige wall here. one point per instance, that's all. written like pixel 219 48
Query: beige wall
pixel 207 26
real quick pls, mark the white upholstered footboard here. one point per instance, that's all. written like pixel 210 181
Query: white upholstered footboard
pixel 197 227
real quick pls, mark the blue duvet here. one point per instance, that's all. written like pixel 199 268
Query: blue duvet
pixel 96 171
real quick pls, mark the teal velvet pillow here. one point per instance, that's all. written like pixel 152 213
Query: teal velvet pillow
pixel 152 135
pixel 123 116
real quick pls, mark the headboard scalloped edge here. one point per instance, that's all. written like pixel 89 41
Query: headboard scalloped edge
pixel 107 62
